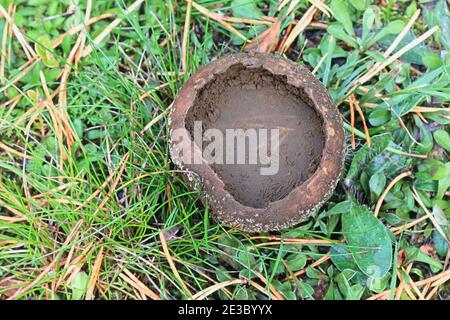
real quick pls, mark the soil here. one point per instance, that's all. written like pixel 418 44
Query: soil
pixel 245 99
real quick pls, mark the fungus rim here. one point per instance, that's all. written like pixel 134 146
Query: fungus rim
pixel 303 200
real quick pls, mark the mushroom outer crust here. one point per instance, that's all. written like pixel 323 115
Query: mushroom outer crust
pixel 302 201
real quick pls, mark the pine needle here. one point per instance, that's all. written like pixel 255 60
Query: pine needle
pixel 299 27
pixel 185 35
pixel 352 121
pixel 267 40
pixel 319 64
pixel 87 51
pixel 218 18
pixel 94 275
pixel 395 56
pixel 210 290
pixel 3 52
pixel 322 7
pixel 27 49
pixel 430 215
pixel 363 118
pixel 312 265
pixel 388 188
pixel 138 285
pixel 172 264
pixel 13 151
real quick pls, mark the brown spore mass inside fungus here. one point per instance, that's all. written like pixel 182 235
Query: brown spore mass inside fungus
pixel 245 98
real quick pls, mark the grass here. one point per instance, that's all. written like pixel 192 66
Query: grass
pixel 92 207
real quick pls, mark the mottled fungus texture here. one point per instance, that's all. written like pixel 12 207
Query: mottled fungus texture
pixel 260 92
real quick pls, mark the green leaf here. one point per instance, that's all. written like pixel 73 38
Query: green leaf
pixel 306 291
pixel 331 44
pixel 222 274
pixel 360 5
pixel 411 9
pixel 443 185
pixel 368 21
pixel 245 9
pixel 441 172
pixel 368 240
pixel 94 134
pixel 442 138
pixel 392 28
pixel 436 14
pixel 330 295
pixel 391 218
pixel 342 14
pixel 350 292
pixel 38 2
pixel 240 293
pixel 415 254
pixel 79 285
pixel 43 47
pixel 365 154
pixel 313 273
pixel 377 183
pixel 426 140
pixel 79 126
pixel 378 284
pixel 439 215
pixel 338 33
pixel 296 261
pixel 444 35
pixel 379 116
pixel 414 55
pixel 340 207
pixel 285 289
pixel 342 258
pixel 440 243
pixel 431 60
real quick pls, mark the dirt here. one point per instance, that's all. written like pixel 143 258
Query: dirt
pixel 255 99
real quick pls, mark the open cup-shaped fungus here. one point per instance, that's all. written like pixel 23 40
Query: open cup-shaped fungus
pixel 261 137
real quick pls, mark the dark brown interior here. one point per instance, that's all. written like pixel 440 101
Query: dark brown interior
pixel 245 99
